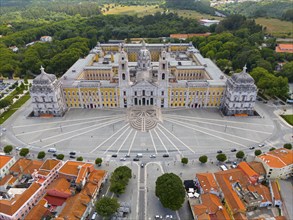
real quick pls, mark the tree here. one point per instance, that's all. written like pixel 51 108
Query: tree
pixel 288 146
pixel 184 160
pixel 23 152
pixel 79 158
pixel 107 206
pixel 60 156
pixel 8 149
pixel 41 155
pixel 98 161
pixel 221 157
pixel 272 148
pixel 119 179
pixel 240 154
pixel 170 191
pixel 4 103
pixel 203 159
pixel 257 152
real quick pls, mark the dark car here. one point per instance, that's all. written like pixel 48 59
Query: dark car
pixel 233 150
pixel 265 102
pixel 165 155
pixel 72 153
pixel 54 155
pixel 72 156
pixel 219 151
pixel 135 159
pixel 114 155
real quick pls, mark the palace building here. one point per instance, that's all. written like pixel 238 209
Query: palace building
pixel 126 75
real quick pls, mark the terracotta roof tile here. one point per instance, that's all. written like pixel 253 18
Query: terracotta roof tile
pixel 215 206
pixel 9 207
pixel 201 211
pixel 257 167
pixel 207 182
pixel 240 216
pixel 26 166
pixel 4 160
pixel 5 180
pixel 60 185
pixel 276 191
pixel 72 167
pixel 37 212
pixel 284 48
pixel 278 158
pixel 49 164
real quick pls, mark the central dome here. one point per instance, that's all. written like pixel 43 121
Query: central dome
pixel 144 58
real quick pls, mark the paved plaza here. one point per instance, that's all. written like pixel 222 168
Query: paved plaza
pixel 105 132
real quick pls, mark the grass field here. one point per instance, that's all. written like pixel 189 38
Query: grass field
pixel 141 11
pixel 288 118
pixel 276 27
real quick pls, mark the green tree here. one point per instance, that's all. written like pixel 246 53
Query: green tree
pixel 272 148
pixel 79 158
pixel 8 149
pixel 221 157
pixel 4 103
pixel 24 152
pixel 170 191
pixel 41 155
pixel 257 152
pixel 184 160
pixel 120 179
pixel 240 154
pixel 203 159
pixel 98 161
pixel 288 146
pixel 287 71
pixel 107 206
pixel 60 156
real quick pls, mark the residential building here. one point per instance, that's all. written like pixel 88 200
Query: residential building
pixel 275 194
pixel 39 211
pixel 259 169
pixel 250 173
pixel 207 183
pixel 25 166
pixel 284 48
pixel 277 163
pixel 5 163
pixel 46 39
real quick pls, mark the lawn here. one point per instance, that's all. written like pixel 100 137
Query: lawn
pixel 276 27
pixel 288 119
pixel 13 108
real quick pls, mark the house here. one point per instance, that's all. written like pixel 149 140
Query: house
pixel 46 39
pixel 25 166
pixel 251 174
pixel 39 211
pixel 275 194
pixel 284 48
pixel 14 49
pixel 207 183
pixel 5 163
pixel 277 163
pixel 259 169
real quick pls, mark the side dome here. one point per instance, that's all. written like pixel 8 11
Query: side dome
pixel 44 77
pixel 243 77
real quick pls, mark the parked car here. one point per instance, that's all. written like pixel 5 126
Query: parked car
pixel 153 156
pixel 142 165
pixel 261 145
pixel 54 155
pixel 165 155
pixel 158 217
pixel 219 151
pixel 114 155
pixel 127 156
pixel 72 153
pixel 18 148
pixel 94 216
pixel 72 156
pixel 122 159
pixel 52 150
pixel 251 148
pixel 233 150
pixel 169 217
pixel 135 159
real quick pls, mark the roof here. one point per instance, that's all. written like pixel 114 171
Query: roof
pixel 37 212
pixel 60 185
pixel 284 48
pixel 9 207
pixel 75 206
pixel 257 167
pixel 231 196
pixel 49 164
pixel 5 180
pixel 4 160
pixel 276 191
pixel 72 168
pixel 242 77
pixel 207 182
pixel 248 171
pixel 240 216
pixel 25 166
pixel 261 190
pixel 94 182
pixel 278 158
pixel 215 207
pixel 54 200
pixel 49 78
pixel 201 212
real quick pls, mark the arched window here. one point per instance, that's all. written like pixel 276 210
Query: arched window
pixel 123 76
pixel 163 76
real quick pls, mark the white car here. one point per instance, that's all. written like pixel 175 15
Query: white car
pixel 18 148
pixel 153 156
pixel 122 159
pixel 261 145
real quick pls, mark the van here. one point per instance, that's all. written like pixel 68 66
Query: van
pixel 223 167
pixel 52 150
pixel 94 216
pixel 138 155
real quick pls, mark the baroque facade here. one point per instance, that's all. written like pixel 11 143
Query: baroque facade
pixel 127 75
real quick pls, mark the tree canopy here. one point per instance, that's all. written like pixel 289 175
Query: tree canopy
pixel 203 159
pixel 221 157
pixel 257 152
pixel 41 154
pixel 7 149
pixel 119 179
pixel 170 191
pixel 24 152
pixel 107 206
pixel 240 154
